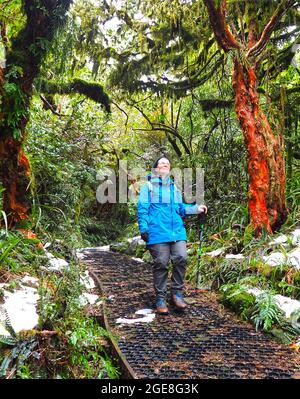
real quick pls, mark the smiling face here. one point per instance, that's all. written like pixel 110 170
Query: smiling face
pixel 163 167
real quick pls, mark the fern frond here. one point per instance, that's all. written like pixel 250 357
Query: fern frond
pixel 266 312
pixel 7 340
pixel 7 324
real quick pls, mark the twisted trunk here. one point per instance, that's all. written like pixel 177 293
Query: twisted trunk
pixel 266 168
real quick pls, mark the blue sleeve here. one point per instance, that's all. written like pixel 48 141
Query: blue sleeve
pixel 143 208
pixel 186 209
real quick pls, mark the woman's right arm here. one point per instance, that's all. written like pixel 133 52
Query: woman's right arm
pixel 143 208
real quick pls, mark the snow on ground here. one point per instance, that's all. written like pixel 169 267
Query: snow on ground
pixel 290 307
pixel 216 252
pixel 20 306
pixel 148 314
pixel 87 280
pixel 87 298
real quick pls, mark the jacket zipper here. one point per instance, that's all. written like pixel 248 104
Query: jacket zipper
pixel 172 201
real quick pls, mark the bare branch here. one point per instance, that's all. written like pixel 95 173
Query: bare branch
pixel 122 110
pixel 178 114
pixel 216 124
pixel 49 106
pixel 142 112
pixel 162 127
pixel 174 145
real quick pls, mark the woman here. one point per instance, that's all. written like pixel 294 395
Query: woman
pixel 160 209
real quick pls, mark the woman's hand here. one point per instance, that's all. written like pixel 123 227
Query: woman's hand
pixel 202 208
pixel 145 236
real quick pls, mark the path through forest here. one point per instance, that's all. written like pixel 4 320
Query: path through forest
pixel 207 341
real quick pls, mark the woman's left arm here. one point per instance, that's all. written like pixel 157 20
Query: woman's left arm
pixel 189 209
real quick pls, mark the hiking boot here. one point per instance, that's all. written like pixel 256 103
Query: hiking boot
pixel 178 301
pixel 161 306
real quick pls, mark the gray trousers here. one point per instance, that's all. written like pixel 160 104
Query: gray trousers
pixel 161 254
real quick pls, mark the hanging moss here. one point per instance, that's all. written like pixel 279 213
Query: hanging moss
pixel 93 91
pixel 208 105
pixel 24 57
pixel 25 53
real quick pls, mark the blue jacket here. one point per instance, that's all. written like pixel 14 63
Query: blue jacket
pixel 160 211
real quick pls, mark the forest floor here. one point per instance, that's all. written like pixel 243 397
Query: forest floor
pixel 206 341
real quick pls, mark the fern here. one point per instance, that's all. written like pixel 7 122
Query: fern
pixel 266 312
pixel 232 290
pixel 290 332
pixel 18 356
pixel 12 338
pixel 21 351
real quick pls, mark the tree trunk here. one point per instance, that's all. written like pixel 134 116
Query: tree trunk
pixel 266 167
pixel 15 177
pixel 23 60
pixel 265 150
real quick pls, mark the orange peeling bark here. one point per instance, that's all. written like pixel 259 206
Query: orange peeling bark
pixel 265 155
pixel 29 234
pixel 15 174
pixel 217 18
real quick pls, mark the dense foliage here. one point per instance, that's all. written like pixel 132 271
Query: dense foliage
pixel 129 81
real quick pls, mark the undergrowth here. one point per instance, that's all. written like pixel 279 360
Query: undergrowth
pixel 68 342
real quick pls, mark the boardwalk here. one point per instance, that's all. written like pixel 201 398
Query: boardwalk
pixel 205 342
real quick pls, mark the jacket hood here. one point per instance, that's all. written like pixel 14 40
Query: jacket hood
pixel 154 178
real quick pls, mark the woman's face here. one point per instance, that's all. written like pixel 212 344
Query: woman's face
pixel 163 167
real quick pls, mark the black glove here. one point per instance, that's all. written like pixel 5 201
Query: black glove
pixel 145 236
pixel 202 217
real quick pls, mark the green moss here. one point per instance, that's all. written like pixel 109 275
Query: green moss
pixel 120 247
pixel 296 278
pixel 238 299
pixel 92 90
pixel 139 251
pixel 281 336
pixel 264 269
pixel 147 257
pixel 294 318
pixel 278 273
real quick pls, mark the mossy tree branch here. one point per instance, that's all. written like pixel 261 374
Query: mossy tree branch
pixel 93 91
pixel 23 61
pixel 24 58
